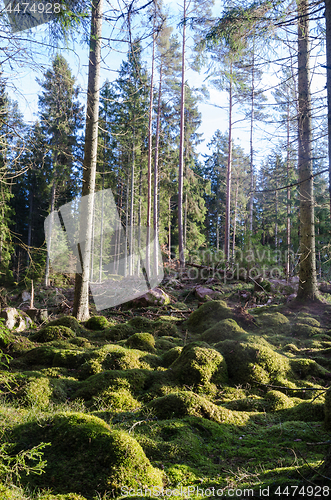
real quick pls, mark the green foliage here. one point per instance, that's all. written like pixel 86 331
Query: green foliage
pixel 26 462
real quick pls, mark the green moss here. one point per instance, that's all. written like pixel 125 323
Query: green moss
pixel 312 411
pixel 306 319
pixel 225 329
pixel 50 333
pixel 39 356
pixel 18 345
pixel 97 323
pixel 307 367
pixel 199 365
pixel 141 324
pixel 68 321
pixel 278 401
pixel 251 362
pixel 304 330
pixel 273 320
pixel 81 342
pixel 36 393
pixel 171 356
pixel 68 358
pixel 183 403
pixel 207 315
pixel 142 341
pixel 163 327
pixel 85 455
pixel 119 332
pixel 114 379
pixel 115 401
pixel 163 344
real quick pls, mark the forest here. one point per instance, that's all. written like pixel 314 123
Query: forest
pixel 165 263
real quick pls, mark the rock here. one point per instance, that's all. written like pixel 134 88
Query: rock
pixel 154 297
pixel 16 320
pixel 26 296
pixel 201 292
pixel 39 315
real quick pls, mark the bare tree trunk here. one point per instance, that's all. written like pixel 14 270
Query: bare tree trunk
pixel 307 268
pixel 81 299
pixel 132 203
pixel 328 79
pixel 288 221
pixel 228 176
pixel 169 230
pixel 31 196
pixel 235 220
pixel 252 151
pixel 181 152
pixel 156 176
pixel 49 241
pixel 149 169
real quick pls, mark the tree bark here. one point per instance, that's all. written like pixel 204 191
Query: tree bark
pixel 228 176
pixel 81 299
pixel 328 79
pixel 156 176
pixel 49 241
pixel 307 269
pixel 181 153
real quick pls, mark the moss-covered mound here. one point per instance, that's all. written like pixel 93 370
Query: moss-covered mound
pixel 114 379
pixel 278 401
pixel 15 345
pixel 274 321
pixel 68 321
pixel 97 323
pixel 142 341
pixel 199 365
pixel 85 455
pixel 171 356
pixel 116 400
pixel 119 332
pixel 206 316
pixel 141 324
pixel 183 403
pixel 225 329
pixel 305 330
pixel 253 362
pixel 51 332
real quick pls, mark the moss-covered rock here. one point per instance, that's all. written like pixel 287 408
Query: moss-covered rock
pixel 307 411
pixel 278 401
pixel 225 329
pixel 142 341
pixel 85 455
pixel 115 401
pixel 305 330
pixel 119 332
pixel 69 322
pixel 275 321
pixel 36 392
pixel 307 367
pixel 183 403
pixel 207 315
pixel 199 365
pixel 97 323
pixel 141 324
pixel 171 356
pixel 252 362
pixel 16 345
pixel 165 327
pixel 115 379
pixel 51 332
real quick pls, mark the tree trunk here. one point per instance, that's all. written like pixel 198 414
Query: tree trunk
pixel 328 79
pixel 235 221
pixel 81 299
pixel 252 151
pixel 49 240
pixel 228 176
pixel 149 169
pixel 181 153
pixel 307 268
pixel 288 222
pixel 156 176
pixel 132 203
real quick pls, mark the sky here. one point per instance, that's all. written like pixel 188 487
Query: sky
pixel 24 88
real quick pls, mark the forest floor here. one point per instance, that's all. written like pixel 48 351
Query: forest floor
pixel 194 399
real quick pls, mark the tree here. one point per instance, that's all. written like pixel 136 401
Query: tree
pixel 81 298
pixel 307 269
pixel 60 118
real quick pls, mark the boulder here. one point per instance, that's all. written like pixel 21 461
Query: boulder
pixel 201 292
pixel 26 296
pixel 154 297
pixel 16 320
